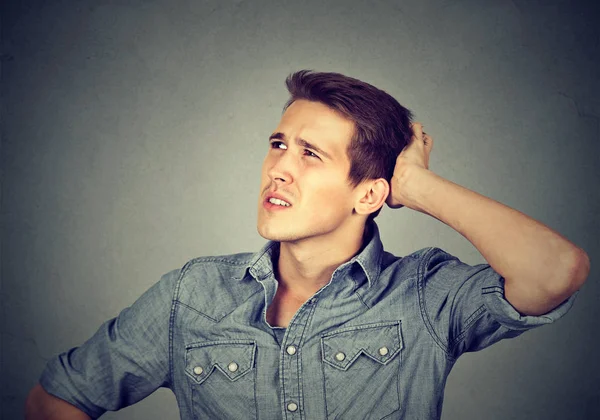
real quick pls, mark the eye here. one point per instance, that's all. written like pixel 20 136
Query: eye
pixel 311 154
pixel 278 145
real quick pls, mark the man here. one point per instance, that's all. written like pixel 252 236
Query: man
pixel 322 322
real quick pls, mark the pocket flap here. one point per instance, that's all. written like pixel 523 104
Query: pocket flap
pixel 233 358
pixel 380 341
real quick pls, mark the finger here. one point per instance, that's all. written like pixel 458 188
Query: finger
pixel 417 129
pixel 425 137
pixel 427 140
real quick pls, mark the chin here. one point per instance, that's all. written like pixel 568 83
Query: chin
pixel 280 232
pixel 284 232
pixel 273 234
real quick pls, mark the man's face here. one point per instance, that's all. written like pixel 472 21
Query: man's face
pixel 307 167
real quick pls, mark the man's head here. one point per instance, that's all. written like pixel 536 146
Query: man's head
pixel 360 127
pixel 382 125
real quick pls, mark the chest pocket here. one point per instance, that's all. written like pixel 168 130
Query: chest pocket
pixel 222 377
pixel 361 365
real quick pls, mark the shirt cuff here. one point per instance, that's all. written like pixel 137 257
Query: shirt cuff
pixel 57 383
pixel 506 314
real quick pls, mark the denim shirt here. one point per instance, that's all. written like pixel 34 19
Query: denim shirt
pixel 378 341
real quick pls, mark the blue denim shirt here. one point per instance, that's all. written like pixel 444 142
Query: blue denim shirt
pixel 378 341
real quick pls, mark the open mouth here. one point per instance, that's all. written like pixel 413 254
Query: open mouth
pixel 275 203
pixel 278 202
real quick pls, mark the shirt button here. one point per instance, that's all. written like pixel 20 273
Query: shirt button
pixel 340 356
pixel 291 350
pixel 292 406
pixel 198 370
pixel 232 367
pixel 383 351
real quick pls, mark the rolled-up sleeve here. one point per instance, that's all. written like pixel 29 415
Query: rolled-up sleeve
pixel 466 306
pixel 123 362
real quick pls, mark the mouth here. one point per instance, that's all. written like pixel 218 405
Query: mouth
pixel 276 203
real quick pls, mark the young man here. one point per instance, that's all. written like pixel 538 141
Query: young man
pixel 322 322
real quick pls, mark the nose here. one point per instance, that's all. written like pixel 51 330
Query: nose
pixel 282 168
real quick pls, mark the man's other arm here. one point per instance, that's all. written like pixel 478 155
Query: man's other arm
pixel 43 406
pixel 125 361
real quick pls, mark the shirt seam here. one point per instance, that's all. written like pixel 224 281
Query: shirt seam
pixel 357 293
pixel 235 307
pixel 421 297
pixel 299 361
pixel 199 260
pixel 195 310
pixel 174 301
pixel 479 312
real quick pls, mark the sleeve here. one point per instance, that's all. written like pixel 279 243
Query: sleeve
pixel 123 362
pixel 465 308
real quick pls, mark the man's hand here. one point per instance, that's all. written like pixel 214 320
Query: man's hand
pixel 415 154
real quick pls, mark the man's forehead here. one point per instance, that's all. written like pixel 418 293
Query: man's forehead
pixel 314 120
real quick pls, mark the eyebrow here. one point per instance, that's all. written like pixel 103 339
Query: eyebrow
pixel 301 142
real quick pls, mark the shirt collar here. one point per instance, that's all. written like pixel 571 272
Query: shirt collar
pixel 368 258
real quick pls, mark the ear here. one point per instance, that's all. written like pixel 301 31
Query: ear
pixel 371 196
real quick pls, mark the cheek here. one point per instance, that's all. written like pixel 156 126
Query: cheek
pixel 265 163
pixel 332 197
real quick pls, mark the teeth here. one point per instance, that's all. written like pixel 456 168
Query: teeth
pixel 278 202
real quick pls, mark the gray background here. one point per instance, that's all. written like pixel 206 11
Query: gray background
pixel 133 134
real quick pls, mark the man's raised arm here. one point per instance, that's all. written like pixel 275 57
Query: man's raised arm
pixel 541 268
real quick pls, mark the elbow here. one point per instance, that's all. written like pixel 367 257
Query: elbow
pixel 580 270
pixel 576 274
pixel 530 298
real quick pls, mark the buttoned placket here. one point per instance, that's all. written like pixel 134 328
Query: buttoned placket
pixel 290 362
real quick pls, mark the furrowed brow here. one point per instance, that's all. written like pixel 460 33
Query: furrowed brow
pixel 311 146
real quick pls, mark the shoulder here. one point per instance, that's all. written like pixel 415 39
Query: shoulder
pixel 231 264
pixel 420 255
pixel 406 266
pixel 215 269
pixel 418 260
pixel 433 268
pixel 426 255
pixel 441 275
pixel 221 279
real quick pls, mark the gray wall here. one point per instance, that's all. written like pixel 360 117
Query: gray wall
pixel 133 133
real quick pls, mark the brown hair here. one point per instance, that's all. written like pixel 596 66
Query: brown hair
pixel 382 125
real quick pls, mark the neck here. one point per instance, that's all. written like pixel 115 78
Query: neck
pixel 307 265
